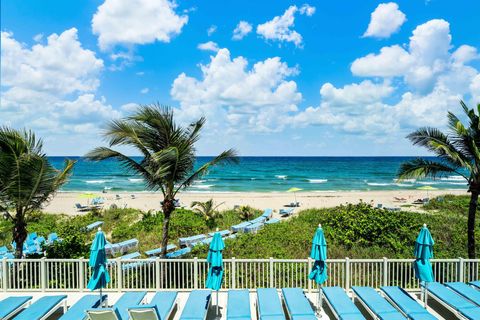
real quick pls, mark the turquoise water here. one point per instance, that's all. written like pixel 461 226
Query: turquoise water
pixel 266 174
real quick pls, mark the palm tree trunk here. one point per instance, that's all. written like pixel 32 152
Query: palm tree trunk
pixel 472 210
pixel 168 208
pixel 19 233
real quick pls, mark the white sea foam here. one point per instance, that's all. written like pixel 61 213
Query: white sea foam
pixel 378 184
pixel 403 185
pixel 317 180
pixel 135 180
pixel 453 178
pixel 428 182
pixel 200 181
pixel 204 186
pixel 281 177
pixel 95 181
pixel 405 180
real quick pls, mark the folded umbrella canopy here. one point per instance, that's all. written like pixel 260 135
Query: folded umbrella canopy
pixel 319 254
pixel 215 259
pixel 98 261
pixel 423 253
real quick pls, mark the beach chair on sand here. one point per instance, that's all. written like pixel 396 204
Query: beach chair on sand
pixel 376 305
pixel 160 307
pixel 285 212
pixel 196 307
pixel 238 305
pixel 465 290
pixel 77 311
pixel 79 207
pixel 269 305
pixel 119 311
pixel 461 307
pixel 298 306
pixel 10 306
pixel 406 303
pixel 340 304
pixel 43 308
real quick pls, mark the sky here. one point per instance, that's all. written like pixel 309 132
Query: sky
pixel 296 78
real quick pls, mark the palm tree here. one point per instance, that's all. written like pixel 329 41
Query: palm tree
pixel 168 152
pixel 458 153
pixel 27 179
pixel 245 213
pixel 207 209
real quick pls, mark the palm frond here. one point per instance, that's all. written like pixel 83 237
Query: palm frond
pixel 422 168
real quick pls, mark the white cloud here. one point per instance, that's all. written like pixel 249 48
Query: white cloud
pixel 136 22
pixel 38 37
pixel 211 30
pixel 385 20
pixel 280 27
pixel 235 97
pixel 307 10
pixel 51 88
pixel 208 46
pixel 241 30
pixel 144 90
pixel 425 59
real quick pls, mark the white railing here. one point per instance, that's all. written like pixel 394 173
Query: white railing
pixel 187 274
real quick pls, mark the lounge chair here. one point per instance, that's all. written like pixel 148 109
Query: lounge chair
pixel 286 212
pixel 465 290
pixel 406 303
pixel 117 197
pixel 52 237
pixel 240 227
pixel 342 307
pixel 93 226
pixel 160 307
pixel 475 284
pixel 260 219
pixel 269 305
pixel 188 241
pixel 223 233
pixel 178 253
pixel 267 213
pixel 132 255
pixel 157 251
pixel 254 228
pixel 3 250
pixel 376 305
pixel 119 311
pixel 454 302
pixel 77 311
pixel 10 306
pixel 238 305
pixel 400 199
pixel 298 306
pixel 43 308
pixel 79 207
pixel 196 307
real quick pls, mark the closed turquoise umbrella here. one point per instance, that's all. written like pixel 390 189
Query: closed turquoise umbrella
pixel 319 269
pixel 98 261
pixel 215 259
pixel 423 253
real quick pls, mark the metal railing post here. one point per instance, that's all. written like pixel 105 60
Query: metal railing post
pixel 385 271
pixel 157 273
pixel 4 274
pixel 309 265
pixel 234 273
pixel 347 273
pixel 461 271
pixel 119 275
pixel 81 274
pixel 43 273
pixel 195 273
pixel 271 273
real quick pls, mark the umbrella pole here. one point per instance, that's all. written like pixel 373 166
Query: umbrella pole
pixel 101 301
pixel 319 300
pixel 426 294
pixel 217 306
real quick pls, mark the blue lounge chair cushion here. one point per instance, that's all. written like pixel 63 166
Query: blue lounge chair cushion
pixel 11 305
pixel 465 290
pixel 462 305
pixel 197 305
pixel 341 304
pixel 77 311
pixel 407 304
pixel 297 304
pixel 128 299
pixel 238 305
pixel 164 301
pixel 40 308
pixel 269 305
pixel 377 304
pixel 475 283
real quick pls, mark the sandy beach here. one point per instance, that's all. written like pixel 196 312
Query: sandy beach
pixel 64 202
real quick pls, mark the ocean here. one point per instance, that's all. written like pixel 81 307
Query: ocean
pixel 265 174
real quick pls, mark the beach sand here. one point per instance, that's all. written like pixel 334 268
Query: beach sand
pixel 64 201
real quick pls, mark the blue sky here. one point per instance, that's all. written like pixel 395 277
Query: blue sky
pixel 309 78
